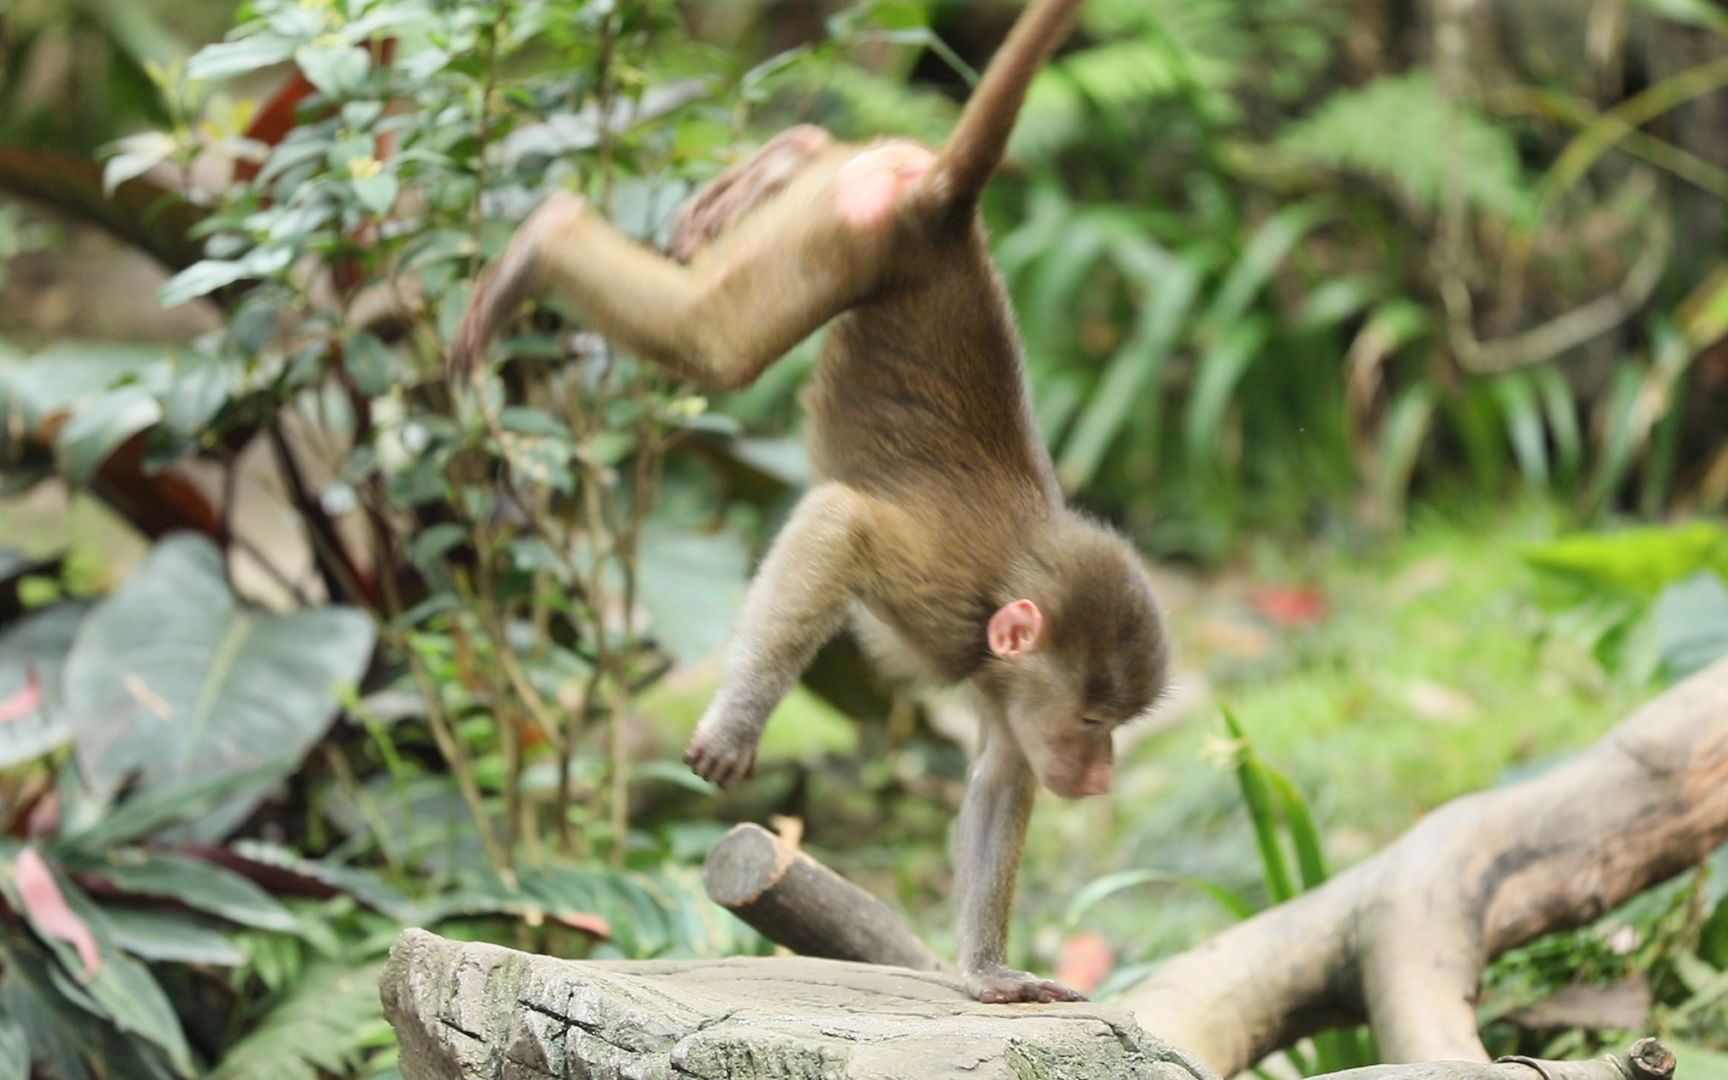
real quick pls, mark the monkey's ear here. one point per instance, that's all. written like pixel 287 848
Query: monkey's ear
pixel 1016 629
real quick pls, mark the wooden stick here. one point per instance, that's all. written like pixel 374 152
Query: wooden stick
pixel 794 900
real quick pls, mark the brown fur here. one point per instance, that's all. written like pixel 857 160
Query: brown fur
pixel 936 508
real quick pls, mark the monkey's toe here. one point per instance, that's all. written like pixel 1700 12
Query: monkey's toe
pixel 1008 987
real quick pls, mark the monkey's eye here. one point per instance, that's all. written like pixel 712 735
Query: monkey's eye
pixel 1094 722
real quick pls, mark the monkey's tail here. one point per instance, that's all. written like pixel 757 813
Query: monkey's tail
pixel 975 148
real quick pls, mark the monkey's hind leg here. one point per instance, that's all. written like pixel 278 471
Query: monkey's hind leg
pixel 738 307
pixel 796 602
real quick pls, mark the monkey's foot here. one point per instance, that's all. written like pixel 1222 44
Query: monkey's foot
pixel 1004 985
pixel 719 757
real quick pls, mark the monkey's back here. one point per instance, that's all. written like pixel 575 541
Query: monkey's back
pixel 921 394
pixel 920 402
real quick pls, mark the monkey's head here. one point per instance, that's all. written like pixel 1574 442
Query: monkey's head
pixel 1081 653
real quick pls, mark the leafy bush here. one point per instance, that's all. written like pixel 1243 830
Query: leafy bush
pixel 497 570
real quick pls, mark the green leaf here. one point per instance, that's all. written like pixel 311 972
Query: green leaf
pixel 1523 415
pixel 377 193
pixel 1402 131
pixel 198 884
pixel 102 426
pixel 134 156
pixel 1217 373
pixel 142 815
pixel 173 682
pixel 1692 624
pixel 173 936
pixel 1561 411
pixel 1257 797
pixel 370 363
pixel 1250 272
pixel 201 279
pixel 1636 562
pixel 1401 436
pixel 63 375
pixel 229 58
pixel 692 585
pixel 1132 379
pixel 336 70
pixel 363 885
pixel 1110 884
pixel 1304 834
pixel 434 543
pixel 1622 407
pixel 14 1051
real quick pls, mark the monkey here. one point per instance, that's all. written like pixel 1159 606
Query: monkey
pixel 935 523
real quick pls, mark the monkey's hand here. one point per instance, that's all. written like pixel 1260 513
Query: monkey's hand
pixel 720 754
pixel 1004 985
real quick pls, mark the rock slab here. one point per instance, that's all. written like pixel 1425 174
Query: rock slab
pixel 471 1011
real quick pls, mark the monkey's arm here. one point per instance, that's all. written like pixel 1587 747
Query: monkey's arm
pixel 797 601
pixel 741 305
pixel 987 860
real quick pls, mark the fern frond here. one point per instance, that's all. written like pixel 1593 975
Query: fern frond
pixel 321 1025
pixel 1400 131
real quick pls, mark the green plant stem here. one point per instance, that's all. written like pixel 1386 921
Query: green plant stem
pixel 461 767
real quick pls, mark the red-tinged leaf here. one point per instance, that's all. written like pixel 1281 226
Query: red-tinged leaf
pixel 1291 605
pixel 1085 959
pixel 581 920
pixel 48 911
pixel 23 702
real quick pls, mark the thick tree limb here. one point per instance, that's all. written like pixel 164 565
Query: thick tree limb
pixel 1402 938
pixel 1647 1060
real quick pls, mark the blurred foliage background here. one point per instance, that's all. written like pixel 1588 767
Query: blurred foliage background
pixel 1392 330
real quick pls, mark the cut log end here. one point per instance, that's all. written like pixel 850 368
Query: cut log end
pixel 1650 1060
pixel 794 900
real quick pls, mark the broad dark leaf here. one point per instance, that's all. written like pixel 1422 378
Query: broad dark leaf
pixel 171 680
pixel 692 584
pixel 199 885
pixel 14 1051
pixel 178 936
pixel 98 428
pixel 32 654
